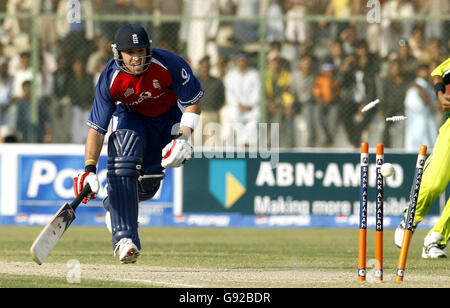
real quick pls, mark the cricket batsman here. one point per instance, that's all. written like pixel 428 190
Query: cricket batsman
pixel 153 100
pixel 436 175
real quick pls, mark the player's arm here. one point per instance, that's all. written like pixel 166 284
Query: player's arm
pixel 178 151
pixel 190 119
pixel 189 92
pixel 98 121
pixel 93 147
pixel 443 98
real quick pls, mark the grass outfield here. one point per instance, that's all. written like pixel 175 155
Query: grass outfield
pixel 214 258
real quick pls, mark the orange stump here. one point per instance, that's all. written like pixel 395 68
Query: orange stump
pixel 411 212
pixel 403 254
pixel 379 214
pixel 362 254
pixel 363 212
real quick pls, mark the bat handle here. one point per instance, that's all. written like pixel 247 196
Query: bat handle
pixel 83 194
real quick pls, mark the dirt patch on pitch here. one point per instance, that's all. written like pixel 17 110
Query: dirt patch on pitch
pixel 205 278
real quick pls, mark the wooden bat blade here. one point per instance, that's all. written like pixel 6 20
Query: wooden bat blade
pixel 51 233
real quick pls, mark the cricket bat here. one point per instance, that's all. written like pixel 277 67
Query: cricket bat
pixel 53 231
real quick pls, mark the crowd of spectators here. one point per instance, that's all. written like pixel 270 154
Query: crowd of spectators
pixel 317 76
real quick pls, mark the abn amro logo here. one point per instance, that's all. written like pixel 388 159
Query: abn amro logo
pixel 227 180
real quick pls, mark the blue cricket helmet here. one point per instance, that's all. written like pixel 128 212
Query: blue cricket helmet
pixel 131 36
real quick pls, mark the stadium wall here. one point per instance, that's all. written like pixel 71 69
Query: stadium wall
pixel 303 189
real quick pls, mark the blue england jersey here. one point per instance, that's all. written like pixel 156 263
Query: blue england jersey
pixel 167 82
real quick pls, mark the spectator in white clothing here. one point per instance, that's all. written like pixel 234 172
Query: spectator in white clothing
pixel 246 31
pixel 275 24
pixel 394 30
pixel 202 33
pixel 21 74
pixel 421 123
pixel 297 31
pixel 243 93
pixel 6 87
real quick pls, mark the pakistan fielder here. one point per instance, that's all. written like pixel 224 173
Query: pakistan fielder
pixel 436 175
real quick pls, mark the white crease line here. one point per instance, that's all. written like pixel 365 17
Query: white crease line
pixel 158 282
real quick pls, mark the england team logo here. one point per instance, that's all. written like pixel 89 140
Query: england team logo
pixel 135 39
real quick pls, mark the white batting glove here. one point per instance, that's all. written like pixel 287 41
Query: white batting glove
pixel 81 180
pixel 176 153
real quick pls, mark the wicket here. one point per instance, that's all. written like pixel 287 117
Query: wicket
pixel 362 247
pixel 362 243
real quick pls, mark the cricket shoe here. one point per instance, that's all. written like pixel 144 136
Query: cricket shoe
pixel 431 247
pixel 128 251
pixel 400 230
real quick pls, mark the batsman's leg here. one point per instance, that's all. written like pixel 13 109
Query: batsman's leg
pixel 149 185
pixel 125 154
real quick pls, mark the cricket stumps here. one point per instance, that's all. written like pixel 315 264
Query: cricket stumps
pixel 362 245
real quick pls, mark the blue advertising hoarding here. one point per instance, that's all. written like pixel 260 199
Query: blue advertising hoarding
pixel 304 189
pixel 45 183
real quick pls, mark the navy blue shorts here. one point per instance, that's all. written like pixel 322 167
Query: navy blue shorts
pixel 155 133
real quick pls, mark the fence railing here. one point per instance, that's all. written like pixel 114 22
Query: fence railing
pixel 303 120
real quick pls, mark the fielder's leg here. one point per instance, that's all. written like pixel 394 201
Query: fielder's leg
pixel 435 179
pixel 436 175
pixel 125 154
pixel 436 182
pixel 442 226
pixel 437 238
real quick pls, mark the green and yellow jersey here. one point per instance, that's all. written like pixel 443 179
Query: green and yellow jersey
pixel 436 175
pixel 443 70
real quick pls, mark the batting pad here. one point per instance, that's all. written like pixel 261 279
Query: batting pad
pixel 125 152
